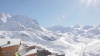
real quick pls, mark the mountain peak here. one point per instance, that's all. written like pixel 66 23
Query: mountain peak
pixel 4 16
pixel 23 20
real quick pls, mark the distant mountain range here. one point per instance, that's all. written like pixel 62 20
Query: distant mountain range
pixel 85 31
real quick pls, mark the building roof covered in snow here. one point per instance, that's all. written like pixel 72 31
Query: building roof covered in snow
pixel 9 42
pixel 33 51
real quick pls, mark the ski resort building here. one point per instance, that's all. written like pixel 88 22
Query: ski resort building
pixel 8 47
pixel 26 50
pixel 32 52
pixel 13 47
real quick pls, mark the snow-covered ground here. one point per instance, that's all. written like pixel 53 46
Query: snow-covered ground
pixel 72 41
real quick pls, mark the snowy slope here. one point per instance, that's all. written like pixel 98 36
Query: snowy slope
pixel 84 39
pixel 92 49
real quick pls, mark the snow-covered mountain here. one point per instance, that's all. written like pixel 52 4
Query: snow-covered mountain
pixel 21 20
pixel 86 38
pixel 72 41
pixel 23 23
pixel 85 31
pixel 28 30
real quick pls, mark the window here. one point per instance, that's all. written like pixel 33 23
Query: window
pixel 7 53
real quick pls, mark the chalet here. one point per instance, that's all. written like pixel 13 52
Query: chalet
pixel 8 47
pixel 32 52
pixel 25 50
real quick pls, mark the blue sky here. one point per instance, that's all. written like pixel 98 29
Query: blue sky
pixel 55 12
